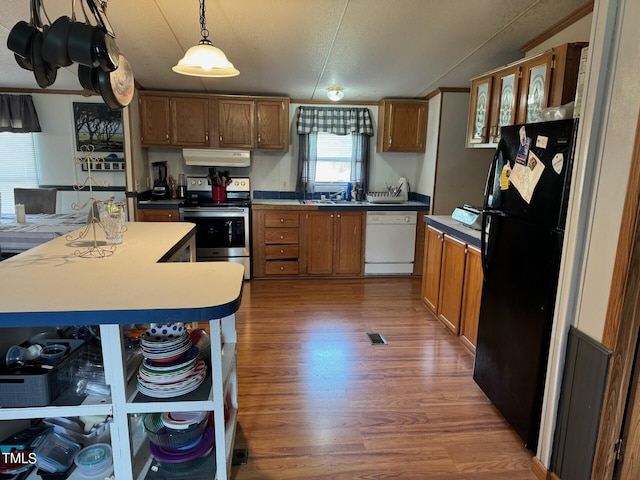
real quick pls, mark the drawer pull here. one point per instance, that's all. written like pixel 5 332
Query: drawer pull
pixel 282 252
pixel 282 220
pixel 170 215
pixel 281 237
pixel 281 268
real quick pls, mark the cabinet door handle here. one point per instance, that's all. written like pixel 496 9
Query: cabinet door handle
pixel 206 136
pixel 220 138
pixel 338 216
pixel 259 139
pixel 167 135
pixel 389 141
pixel 332 215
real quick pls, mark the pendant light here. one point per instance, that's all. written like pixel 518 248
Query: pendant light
pixel 205 60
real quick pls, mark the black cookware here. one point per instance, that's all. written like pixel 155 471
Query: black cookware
pixel 80 43
pixel 26 41
pixel 106 50
pixel 23 62
pixel 117 87
pixel 85 77
pixel 44 72
pixel 54 42
pixel 104 43
pixel 20 38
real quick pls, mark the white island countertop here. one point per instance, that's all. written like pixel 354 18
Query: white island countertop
pixel 50 285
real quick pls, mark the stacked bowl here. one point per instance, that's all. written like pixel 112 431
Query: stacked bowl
pixel 171 365
pixel 179 440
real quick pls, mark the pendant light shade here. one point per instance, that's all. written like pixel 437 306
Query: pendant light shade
pixel 205 60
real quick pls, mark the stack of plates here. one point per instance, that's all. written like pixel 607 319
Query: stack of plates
pixel 171 366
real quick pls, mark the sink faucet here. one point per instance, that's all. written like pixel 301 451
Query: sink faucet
pixel 338 195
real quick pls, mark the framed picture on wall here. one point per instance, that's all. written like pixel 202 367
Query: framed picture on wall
pixel 95 124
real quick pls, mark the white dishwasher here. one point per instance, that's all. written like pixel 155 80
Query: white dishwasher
pixel 390 242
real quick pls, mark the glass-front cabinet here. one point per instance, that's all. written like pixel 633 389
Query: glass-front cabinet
pixel 480 109
pixel 516 93
pixel 536 83
pixel 506 87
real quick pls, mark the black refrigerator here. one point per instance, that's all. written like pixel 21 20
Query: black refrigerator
pixel 524 215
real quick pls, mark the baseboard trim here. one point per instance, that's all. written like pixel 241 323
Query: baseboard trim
pixel 539 470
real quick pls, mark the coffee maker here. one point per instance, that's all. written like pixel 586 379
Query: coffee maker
pixel 161 188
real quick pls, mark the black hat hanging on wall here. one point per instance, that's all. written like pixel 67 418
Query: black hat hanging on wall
pixel 43 48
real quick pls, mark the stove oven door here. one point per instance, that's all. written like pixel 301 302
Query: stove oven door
pixel 222 233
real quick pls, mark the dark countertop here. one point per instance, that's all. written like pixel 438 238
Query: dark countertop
pixel 454 228
pixel 268 204
pixel 160 204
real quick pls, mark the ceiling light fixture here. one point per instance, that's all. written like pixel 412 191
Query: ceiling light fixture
pixel 205 60
pixel 335 93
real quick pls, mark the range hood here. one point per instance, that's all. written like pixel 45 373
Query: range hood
pixel 216 158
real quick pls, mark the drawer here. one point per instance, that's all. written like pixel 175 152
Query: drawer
pixel 281 220
pixel 280 252
pixel 280 235
pixel 282 268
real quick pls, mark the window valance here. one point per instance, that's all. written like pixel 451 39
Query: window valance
pixel 339 121
pixel 18 115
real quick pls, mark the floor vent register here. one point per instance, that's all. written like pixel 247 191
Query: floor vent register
pixel 376 339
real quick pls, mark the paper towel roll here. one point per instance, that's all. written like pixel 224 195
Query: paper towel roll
pixel 402 181
pixel 20 216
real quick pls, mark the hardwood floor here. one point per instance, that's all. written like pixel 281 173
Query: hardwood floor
pixel 318 401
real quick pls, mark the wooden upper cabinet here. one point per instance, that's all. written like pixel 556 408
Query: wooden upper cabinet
pixel 517 92
pixel 536 82
pixel 478 129
pixel 214 121
pixel 154 120
pixel 272 125
pixel 236 123
pixel 190 121
pixel 506 85
pixel 402 125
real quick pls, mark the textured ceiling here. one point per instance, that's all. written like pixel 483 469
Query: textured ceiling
pixel 298 48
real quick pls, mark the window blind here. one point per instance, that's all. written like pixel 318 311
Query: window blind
pixel 18 167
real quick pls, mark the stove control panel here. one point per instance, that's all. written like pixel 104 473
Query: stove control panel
pixel 203 184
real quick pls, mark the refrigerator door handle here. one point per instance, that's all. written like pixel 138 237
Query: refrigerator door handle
pixel 486 213
pixel 488 189
pixel 491 224
pixel 483 244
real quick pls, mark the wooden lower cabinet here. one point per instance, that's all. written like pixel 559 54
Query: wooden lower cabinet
pixel 158 215
pixel 432 267
pixel 299 242
pixel 452 284
pixel 471 298
pixel 276 238
pixel 334 243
